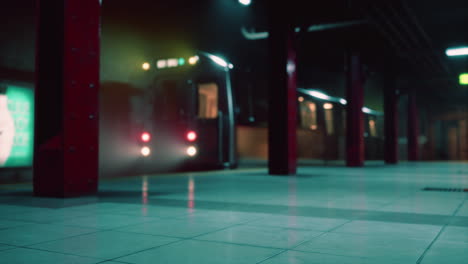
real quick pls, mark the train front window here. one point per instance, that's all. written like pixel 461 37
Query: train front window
pixel 170 101
pixel 308 114
pixel 208 100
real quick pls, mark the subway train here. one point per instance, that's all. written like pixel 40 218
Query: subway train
pixel 186 119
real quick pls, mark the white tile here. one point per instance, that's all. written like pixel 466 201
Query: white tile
pixel 150 211
pixel 33 256
pixel 446 252
pixel 176 227
pixel 191 252
pixel 4 224
pixel 261 236
pixel 300 222
pixel 387 229
pixel 454 234
pixel 231 217
pixel 46 215
pixel 36 233
pixel 105 244
pixel 296 257
pixel 4 247
pixel 379 248
pixel 106 221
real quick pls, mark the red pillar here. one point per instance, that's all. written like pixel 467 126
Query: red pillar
pixel 282 144
pixel 413 128
pixel 67 85
pixel 354 115
pixel 390 121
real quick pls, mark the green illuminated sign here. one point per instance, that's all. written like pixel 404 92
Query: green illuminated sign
pixel 464 79
pixel 181 61
pixel 16 126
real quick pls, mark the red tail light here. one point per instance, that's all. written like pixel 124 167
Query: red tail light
pixel 191 136
pixel 145 137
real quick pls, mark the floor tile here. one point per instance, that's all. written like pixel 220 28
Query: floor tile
pixel 105 244
pixel 4 247
pixel 454 234
pixel 106 221
pixel 261 236
pixel 33 256
pixel 47 215
pixel 390 229
pixel 296 257
pixel 379 248
pixel 36 233
pixel 151 211
pixel 222 216
pixel 190 251
pixel 301 222
pixel 4 224
pixel 176 227
pixel 446 252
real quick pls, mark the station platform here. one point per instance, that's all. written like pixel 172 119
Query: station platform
pixel 408 213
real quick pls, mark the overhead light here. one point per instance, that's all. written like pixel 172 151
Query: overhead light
pixel 319 95
pixel 161 64
pixel 366 110
pixel 172 62
pixel 343 101
pixel 300 99
pixel 146 66
pixel 218 60
pixel 245 2
pixel 460 51
pixel 193 60
pixel 231 66
pixel 464 79
pixel 181 61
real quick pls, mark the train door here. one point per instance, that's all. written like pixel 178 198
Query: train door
pixel 215 120
pixel 209 118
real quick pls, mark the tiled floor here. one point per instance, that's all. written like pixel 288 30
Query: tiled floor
pixel 375 214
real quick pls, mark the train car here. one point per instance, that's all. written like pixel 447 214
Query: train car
pixel 188 115
pixel 321 130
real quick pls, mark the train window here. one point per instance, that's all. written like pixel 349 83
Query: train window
pixel 372 128
pixel 328 107
pixel 208 100
pixel 308 115
pixel 170 101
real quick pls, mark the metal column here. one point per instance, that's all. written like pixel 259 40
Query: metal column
pixel 413 128
pixel 282 96
pixel 67 86
pixel 390 121
pixel 354 115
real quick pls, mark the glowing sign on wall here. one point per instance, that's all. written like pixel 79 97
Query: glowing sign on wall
pixel 16 126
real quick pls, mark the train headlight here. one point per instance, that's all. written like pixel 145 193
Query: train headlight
pixel 145 151
pixel 191 136
pixel 145 137
pixel 191 151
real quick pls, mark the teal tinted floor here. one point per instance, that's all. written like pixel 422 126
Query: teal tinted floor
pixel 376 214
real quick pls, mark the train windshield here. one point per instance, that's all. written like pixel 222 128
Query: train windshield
pixel 171 101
